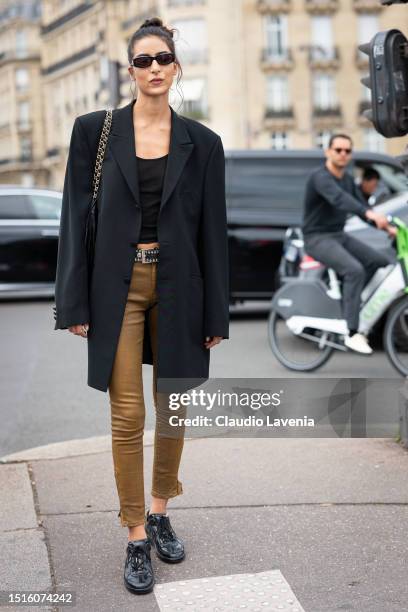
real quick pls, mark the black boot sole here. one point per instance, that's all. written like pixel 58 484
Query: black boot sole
pixel 167 560
pixel 139 591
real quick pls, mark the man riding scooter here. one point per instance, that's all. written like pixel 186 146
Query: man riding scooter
pixel 330 196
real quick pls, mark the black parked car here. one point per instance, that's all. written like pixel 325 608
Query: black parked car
pixel 29 228
pixel 265 197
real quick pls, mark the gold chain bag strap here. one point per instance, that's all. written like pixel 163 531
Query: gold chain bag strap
pixel 92 219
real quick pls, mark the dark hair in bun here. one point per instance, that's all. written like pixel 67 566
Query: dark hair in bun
pixel 156 22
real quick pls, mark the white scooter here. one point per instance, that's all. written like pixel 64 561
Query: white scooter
pixel 306 323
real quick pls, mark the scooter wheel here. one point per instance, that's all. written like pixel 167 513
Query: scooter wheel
pixel 294 352
pixel 395 337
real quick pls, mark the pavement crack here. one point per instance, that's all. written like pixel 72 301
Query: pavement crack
pixel 43 529
pixel 241 506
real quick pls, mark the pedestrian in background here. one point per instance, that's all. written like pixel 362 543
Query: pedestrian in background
pixel 159 288
pixel 369 183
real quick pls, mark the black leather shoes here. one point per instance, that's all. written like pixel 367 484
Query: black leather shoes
pixel 138 574
pixel 168 546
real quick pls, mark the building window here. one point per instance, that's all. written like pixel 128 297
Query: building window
pixel 277 92
pixel 191 40
pixel 279 140
pixel 21 43
pixel 322 37
pixel 194 98
pixel 324 91
pixel 367 27
pixel 25 148
pixel 24 115
pixel 276 36
pixel 322 139
pixel 373 141
pixel 22 79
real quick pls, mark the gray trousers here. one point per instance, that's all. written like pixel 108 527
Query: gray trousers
pixel 354 261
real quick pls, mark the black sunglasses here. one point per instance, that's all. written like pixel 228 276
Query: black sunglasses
pixel 144 61
pixel 339 150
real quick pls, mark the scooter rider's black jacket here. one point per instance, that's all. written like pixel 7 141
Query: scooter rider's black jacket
pixel 328 200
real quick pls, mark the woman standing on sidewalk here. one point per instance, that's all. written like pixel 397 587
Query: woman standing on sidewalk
pixel 159 289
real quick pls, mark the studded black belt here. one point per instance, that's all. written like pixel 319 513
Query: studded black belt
pixel 147 255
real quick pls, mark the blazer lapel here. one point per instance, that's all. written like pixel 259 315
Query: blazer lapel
pixel 180 150
pixel 122 145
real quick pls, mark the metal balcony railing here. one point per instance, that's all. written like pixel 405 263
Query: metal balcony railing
pixel 273 6
pixel 367 6
pixel 277 58
pixel 322 6
pixel 321 57
pixel 24 125
pixel 327 111
pixel 279 113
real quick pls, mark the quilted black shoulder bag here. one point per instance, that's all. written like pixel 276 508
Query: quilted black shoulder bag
pixel 92 218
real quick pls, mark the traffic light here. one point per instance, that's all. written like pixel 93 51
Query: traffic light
pixel 388 81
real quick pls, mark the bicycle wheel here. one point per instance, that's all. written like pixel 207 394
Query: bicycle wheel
pixel 396 336
pixel 304 352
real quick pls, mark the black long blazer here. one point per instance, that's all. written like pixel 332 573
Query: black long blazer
pixel 192 273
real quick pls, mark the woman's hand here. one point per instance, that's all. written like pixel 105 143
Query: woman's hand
pixel 79 330
pixel 212 341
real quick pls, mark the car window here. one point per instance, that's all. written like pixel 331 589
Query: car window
pixel 268 183
pixel 46 207
pixel 15 207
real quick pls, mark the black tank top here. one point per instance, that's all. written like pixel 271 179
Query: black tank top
pixel 151 177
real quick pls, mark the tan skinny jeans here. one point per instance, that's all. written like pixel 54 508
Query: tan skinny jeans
pixel 128 407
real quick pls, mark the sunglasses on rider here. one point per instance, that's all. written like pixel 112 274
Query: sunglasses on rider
pixel 144 61
pixel 339 150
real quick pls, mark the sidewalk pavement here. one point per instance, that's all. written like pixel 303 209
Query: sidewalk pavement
pixel 313 525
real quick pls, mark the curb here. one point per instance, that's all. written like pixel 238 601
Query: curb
pixel 70 448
